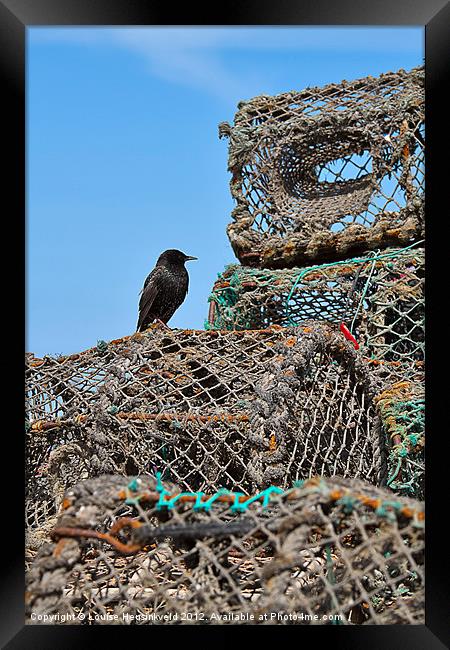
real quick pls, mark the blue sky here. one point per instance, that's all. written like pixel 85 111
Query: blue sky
pixel 124 159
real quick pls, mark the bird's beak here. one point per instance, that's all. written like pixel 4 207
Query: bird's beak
pixel 189 257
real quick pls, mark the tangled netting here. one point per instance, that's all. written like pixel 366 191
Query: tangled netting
pixel 379 296
pixel 237 410
pixel 402 410
pixel 325 552
pixel 327 172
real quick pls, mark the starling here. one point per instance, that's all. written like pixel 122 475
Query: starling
pixel 164 289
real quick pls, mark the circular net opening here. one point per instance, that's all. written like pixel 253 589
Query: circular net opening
pixel 326 166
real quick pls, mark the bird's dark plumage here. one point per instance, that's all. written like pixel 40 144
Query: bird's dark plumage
pixel 164 289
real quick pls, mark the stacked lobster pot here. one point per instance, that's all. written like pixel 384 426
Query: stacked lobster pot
pixel 329 226
pixel 269 468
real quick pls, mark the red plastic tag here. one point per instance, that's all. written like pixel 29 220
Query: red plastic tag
pixel 348 335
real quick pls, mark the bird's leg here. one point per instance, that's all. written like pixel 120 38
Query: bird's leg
pixel 161 323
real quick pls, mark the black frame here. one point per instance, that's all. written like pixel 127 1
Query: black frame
pixel 434 15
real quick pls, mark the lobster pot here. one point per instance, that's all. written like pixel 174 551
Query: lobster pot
pixel 329 551
pixel 209 410
pixel 379 296
pixel 326 173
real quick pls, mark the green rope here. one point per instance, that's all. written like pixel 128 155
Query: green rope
pixel 409 416
pixel 363 295
pixel 330 572
pixel 395 474
pixel 102 346
pixel 354 260
pixel 227 297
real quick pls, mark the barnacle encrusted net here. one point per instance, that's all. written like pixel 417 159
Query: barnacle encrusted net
pixel 325 173
pixel 328 551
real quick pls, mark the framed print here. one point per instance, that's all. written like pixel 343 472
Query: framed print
pixel 228 265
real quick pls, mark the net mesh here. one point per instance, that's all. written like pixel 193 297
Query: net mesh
pixel 327 172
pixel 239 410
pixel 325 552
pixel 402 409
pixel 269 469
pixel 379 296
